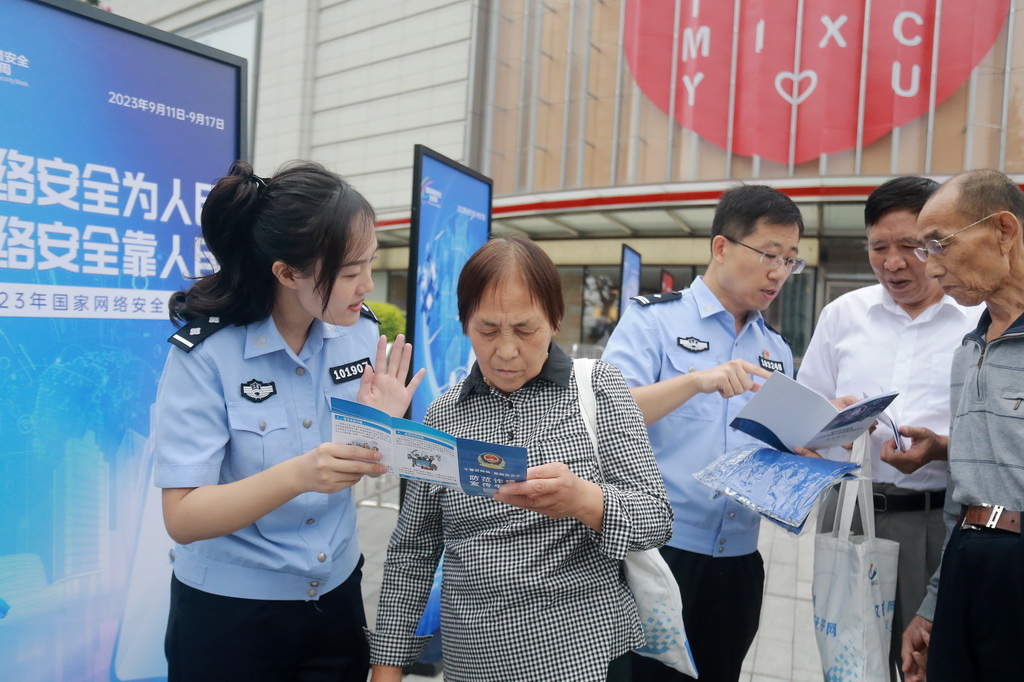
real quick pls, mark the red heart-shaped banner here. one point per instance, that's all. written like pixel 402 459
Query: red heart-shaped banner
pixel 802 74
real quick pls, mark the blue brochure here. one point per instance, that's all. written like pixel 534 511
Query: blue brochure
pixel 780 486
pixel 422 453
pixel 785 414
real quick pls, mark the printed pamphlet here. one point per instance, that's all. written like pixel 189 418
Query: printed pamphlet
pixel 780 486
pixel 422 453
pixel 785 414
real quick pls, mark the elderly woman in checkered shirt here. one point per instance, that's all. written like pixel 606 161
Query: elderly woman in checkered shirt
pixel 532 584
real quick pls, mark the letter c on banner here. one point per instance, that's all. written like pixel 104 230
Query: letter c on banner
pixel 897 28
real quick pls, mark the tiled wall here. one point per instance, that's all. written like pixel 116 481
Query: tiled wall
pixel 353 84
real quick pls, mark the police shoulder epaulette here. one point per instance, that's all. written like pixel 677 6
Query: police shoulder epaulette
pixel 196 331
pixel 651 299
pixel 366 312
pixel 773 330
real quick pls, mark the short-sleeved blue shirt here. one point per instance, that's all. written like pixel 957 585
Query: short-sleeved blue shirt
pixel 684 334
pixel 240 402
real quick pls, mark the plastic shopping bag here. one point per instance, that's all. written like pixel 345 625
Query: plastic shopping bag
pixel 854 588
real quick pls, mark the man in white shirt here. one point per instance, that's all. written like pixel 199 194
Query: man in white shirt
pixel 899 335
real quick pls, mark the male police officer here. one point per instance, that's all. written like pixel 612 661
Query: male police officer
pixel 689 358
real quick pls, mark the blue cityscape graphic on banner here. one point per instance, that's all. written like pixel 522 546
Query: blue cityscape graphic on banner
pixel 108 146
pixel 454 221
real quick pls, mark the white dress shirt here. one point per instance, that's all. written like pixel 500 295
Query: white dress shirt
pixel 865 344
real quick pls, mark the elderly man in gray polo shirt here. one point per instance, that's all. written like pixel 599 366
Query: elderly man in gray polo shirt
pixel 971 625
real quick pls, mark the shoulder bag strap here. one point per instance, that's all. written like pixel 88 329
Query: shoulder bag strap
pixel 583 369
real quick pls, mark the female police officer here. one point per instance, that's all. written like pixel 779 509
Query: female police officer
pixel 267 564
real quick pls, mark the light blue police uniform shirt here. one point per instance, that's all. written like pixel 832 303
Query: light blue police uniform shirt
pixel 689 333
pixel 207 429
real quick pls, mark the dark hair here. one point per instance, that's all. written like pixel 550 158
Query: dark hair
pixel 740 208
pixel 905 193
pixel 510 255
pixel 304 216
pixel 985 191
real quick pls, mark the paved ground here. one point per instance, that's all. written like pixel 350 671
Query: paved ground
pixel 783 651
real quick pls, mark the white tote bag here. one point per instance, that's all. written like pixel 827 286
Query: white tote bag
pixel 854 586
pixel 649 578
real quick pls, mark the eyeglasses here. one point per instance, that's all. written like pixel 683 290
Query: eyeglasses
pixel 794 266
pixel 936 247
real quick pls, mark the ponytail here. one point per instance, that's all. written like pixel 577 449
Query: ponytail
pixel 228 219
pixel 303 216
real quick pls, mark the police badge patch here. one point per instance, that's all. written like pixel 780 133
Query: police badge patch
pixel 693 344
pixel 257 391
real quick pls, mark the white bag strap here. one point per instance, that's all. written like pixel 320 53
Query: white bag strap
pixel 583 368
pixel 856 490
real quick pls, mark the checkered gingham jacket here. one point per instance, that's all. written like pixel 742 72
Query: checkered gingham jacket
pixel 526 598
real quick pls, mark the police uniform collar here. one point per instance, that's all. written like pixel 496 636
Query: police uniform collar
pixel 708 305
pixel 556 370
pixel 262 337
pixel 318 331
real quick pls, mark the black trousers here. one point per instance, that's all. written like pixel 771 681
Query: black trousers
pixel 979 617
pixel 721 611
pixel 215 638
pixel 619 669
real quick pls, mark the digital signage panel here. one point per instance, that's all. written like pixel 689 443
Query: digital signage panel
pixel 112 135
pixel 450 220
pixel 629 278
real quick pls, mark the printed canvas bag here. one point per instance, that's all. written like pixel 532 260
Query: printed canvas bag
pixel 854 588
pixel 648 576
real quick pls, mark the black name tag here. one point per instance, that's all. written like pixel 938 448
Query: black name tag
pixel 771 365
pixel 353 370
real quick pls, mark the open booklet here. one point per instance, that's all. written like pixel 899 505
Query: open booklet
pixel 780 486
pixel 785 414
pixel 422 453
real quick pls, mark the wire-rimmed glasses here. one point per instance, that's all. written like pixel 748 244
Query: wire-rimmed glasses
pixel 794 266
pixel 936 247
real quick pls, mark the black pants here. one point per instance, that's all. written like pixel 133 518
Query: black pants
pixel 215 638
pixel 619 669
pixel 721 610
pixel 979 618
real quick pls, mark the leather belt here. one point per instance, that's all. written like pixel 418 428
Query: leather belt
pixel 989 516
pixel 922 501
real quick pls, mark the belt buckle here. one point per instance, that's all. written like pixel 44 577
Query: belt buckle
pixel 884 506
pixel 993 517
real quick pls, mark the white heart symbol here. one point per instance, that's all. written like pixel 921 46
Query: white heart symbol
pixel 796 78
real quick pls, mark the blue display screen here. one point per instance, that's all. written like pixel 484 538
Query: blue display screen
pixel 629 281
pixel 451 221
pixel 110 138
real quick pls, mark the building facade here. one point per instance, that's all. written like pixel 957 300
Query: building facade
pixel 604 122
